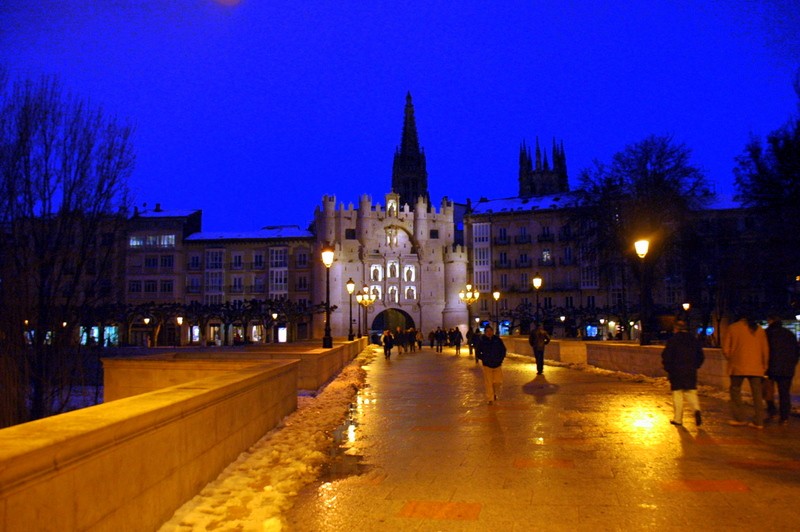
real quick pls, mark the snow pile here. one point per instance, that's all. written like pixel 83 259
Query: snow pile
pixel 253 492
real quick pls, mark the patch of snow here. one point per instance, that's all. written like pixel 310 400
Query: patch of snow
pixel 255 491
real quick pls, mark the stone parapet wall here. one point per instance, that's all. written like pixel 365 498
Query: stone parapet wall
pixel 628 358
pixel 129 464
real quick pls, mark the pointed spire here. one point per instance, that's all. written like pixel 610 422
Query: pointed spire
pixel 409 142
pixel 409 173
pixel 538 156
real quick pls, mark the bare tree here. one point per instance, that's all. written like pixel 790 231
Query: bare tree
pixel 648 191
pixel 768 182
pixel 63 199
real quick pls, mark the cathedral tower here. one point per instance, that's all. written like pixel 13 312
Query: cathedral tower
pixel 409 173
pixel 537 177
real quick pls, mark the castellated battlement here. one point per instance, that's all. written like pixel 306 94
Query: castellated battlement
pixel 455 253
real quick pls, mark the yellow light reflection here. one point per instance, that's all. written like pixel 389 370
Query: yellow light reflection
pixel 351 433
pixel 327 495
pixel 538 441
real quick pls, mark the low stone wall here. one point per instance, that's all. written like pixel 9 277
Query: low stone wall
pixel 317 365
pixel 129 464
pixel 124 377
pixel 628 357
pixel 559 350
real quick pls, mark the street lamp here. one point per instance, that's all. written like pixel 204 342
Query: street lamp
pixel 351 287
pixel 468 296
pixel 327 260
pixel 537 284
pixel 179 321
pixel 496 296
pixel 365 299
pixel 641 247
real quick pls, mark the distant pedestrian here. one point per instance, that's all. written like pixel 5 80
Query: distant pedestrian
pixel 440 336
pixel 745 347
pixel 783 355
pixel 388 342
pixel 473 342
pixel 420 339
pixel 469 339
pixel 682 357
pixel 492 352
pixel 538 339
pixel 432 338
pixel 456 338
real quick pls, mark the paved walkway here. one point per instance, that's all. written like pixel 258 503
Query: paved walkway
pixel 565 450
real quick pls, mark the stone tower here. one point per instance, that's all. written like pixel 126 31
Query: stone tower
pixel 409 172
pixel 537 177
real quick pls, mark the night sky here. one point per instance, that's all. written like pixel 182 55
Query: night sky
pixel 252 110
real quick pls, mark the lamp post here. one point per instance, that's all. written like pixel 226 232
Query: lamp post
pixel 365 299
pixel 537 284
pixel 327 260
pixel 641 247
pixel 359 299
pixel 146 326
pixel 496 296
pixel 468 296
pixel 179 321
pixel 274 327
pixel 351 287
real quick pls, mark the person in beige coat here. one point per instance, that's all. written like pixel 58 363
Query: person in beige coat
pixel 746 349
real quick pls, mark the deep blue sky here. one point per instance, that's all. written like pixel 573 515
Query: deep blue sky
pixel 252 110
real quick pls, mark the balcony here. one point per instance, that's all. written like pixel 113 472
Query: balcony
pixel 257 265
pixel 502 265
pixel 236 289
pixel 547 262
pixel 192 289
pixel 546 237
pixel 256 289
pixel 523 263
pixel 566 262
pixel 522 239
pixel 236 265
pixel 501 241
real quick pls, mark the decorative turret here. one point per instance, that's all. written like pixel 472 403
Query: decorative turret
pixel 540 177
pixel 409 172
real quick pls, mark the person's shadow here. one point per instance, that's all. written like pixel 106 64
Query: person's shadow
pixel 539 388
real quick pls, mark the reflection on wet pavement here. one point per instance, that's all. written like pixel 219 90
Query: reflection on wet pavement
pixel 566 450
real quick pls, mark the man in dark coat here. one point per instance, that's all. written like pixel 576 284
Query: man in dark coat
pixel 492 351
pixel 538 339
pixel 783 355
pixel 682 357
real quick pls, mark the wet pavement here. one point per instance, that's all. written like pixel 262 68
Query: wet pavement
pixel 567 450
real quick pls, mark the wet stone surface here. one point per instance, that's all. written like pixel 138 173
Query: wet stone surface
pixel 567 450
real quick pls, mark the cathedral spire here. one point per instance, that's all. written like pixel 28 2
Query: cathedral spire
pixel 409 173
pixel 543 175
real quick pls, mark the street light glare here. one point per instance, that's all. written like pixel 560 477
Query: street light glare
pixel 641 247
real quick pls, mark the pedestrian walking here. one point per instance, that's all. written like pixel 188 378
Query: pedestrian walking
pixel 440 336
pixel 538 339
pixel 420 338
pixel 469 339
pixel 432 338
pixel 473 343
pixel 682 357
pixel 783 355
pixel 387 340
pixel 492 351
pixel 745 347
pixel 456 338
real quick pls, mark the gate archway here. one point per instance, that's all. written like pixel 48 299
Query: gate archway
pixel 391 319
